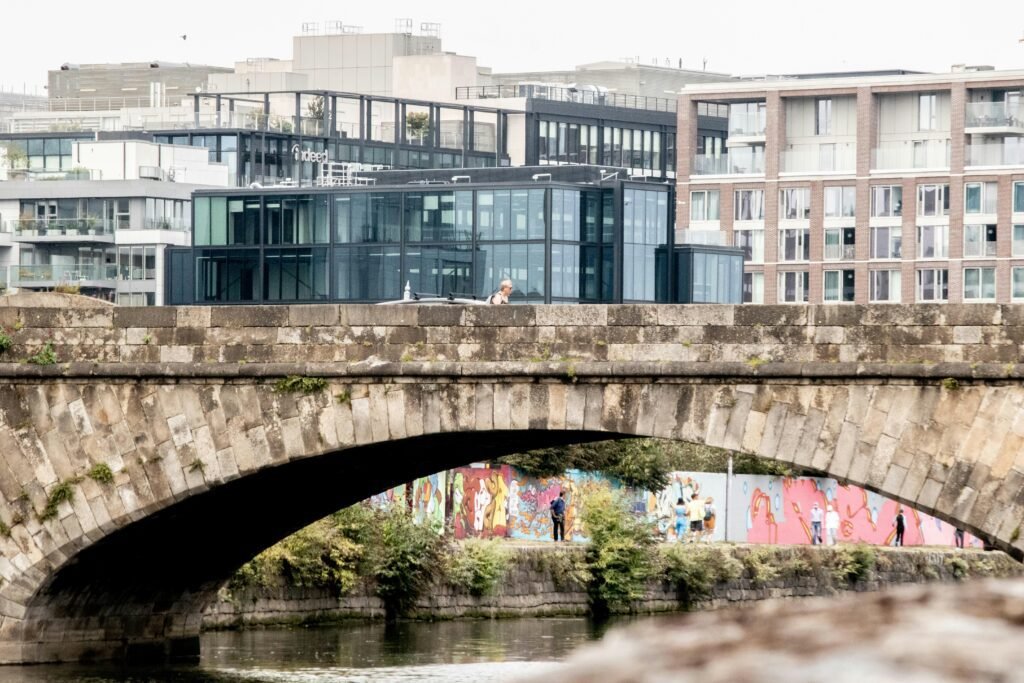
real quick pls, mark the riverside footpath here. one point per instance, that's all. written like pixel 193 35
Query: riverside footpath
pixel 553 581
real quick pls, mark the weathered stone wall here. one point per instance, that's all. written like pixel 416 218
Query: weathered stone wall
pixel 533 588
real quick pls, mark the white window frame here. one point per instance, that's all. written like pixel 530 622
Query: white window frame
pixel 888 189
pixel 940 247
pixel 803 245
pixel 1015 272
pixel 927 111
pixel 982 271
pixel 941 199
pixel 895 288
pixel 842 245
pixel 802 197
pixel 1018 192
pixel 801 285
pixel 754 205
pixel 890 243
pixel 841 193
pixel 980 246
pixel 756 247
pixel 711 198
pixel 1018 244
pixel 827 101
pixel 919 287
pixel 839 275
pixel 756 287
pixel 989 192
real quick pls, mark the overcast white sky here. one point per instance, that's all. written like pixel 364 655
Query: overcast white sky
pixel 735 36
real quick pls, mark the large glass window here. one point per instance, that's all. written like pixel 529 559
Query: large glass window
pixel 704 205
pixel 430 216
pixel 886 201
pixel 886 242
pixel 927 112
pixel 363 217
pixel 1018 197
pixel 645 228
pixel 494 214
pixel 296 220
pixel 565 215
pixel 793 287
pixel 749 205
pixel 752 243
pixel 932 241
pixel 753 288
pixel 795 203
pixel 522 263
pixel 932 200
pixel 840 244
pixel 1018 284
pixel 440 271
pixel 979 241
pixel 840 202
pixel 295 274
pixel 823 117
pixel 371 273
pixel 1018 240
pixel 884 286
pixel 227 275
pixel 933 285
pixel 980 197
pixel 795 244
pixel 979 284
pixel 838 285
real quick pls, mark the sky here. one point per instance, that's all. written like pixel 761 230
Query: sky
pixel 740 37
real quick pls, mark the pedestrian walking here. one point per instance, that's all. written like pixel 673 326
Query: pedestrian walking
pixel 695 512
pixel 958 538
pixel 558 517
pixel 501 296
pixel 832 525
pixel 901 525
pixel 816 519
pixel 680 510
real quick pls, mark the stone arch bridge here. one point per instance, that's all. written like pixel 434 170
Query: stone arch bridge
pixel 210 464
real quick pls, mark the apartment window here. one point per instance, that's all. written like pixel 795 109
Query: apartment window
pixel 979 241
pixel 753 288
pixel 840 202
pixel 884 286
pixel 980 198
pixel 1018 197
pixel 838 285
pixel 932 241
pixel 932 200
pixel 704 205
pixel 979 284
pixel 752 243
pixel 1018 284
pixel 796 203
pixel 823 117
pixel 793 287
pixel 1018 240
pixel 795 244
pixel 886 242
pixel 839 244
pixel 933 284
pixel 886 201
pixel 749 205
pixel 927 112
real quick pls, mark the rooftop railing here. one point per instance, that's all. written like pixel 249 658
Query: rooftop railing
pixel 560 94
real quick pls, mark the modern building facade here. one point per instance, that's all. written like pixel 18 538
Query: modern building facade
pixel 882 189
pixel 99 86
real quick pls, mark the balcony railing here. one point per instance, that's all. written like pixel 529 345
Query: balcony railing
pixel 825 158
pixel 911 154
pixel 747 124
pixel 999 115
pixel 1010 153
pixel 840 252
pixel 557 94
pixel 60 227
pixel 75 272
pixel 983 250
pixel 728 164
pixel 166 224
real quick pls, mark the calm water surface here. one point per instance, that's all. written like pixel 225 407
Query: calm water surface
pixel 449 652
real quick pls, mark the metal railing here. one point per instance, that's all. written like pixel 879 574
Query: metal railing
pixel 107 103
pixel 563 94
pixel 166 224
pixel 60 227
pixel 75 272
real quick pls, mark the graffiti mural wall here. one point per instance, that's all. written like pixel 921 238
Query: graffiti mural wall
pixel 500 502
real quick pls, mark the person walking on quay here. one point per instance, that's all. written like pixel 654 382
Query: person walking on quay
pixel 901 525
pixel 958 538
pixel 695 512
pixel 680 510
pixel 558 517
pixel 501 296
pixel 709 518
pixel 832 525
pixel 816 517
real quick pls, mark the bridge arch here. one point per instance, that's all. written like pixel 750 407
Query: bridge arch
pixel 209 470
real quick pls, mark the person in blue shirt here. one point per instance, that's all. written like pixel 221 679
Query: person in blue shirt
pixel 680 519
pixel 558 517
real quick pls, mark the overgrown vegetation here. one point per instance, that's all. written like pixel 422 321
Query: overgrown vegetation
pixel 478 566
pixel 696 569
pixel 101 473
pixel 760 566
pixel 65 288
pixel 403 561
pixel 298 384
pixel 5 341
pixel 950 384
pixel 641 463
pixel 63 492
pixel 45 356
pixel 853 563
pixel 620 556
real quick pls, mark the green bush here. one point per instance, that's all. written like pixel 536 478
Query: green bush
pixel 45 356
pixel 760 566
pixel 695 570
pixel 298 384
pixel 101 473
pixel 620 557
pixel 404 560
pixel 853 564
pixel 5 341
pixel 567 568
pixel 958 567
pixel 478 566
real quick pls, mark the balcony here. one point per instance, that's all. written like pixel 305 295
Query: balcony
pixel 1009 153
pixel 728 164
pixel 823 158
pixel 166 224
pixel 911 154
pixel 994 118
pixel 39 230
pixel 82 274
pixel 840 252
pixel 746 127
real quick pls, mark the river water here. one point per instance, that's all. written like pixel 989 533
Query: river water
pixel 448 652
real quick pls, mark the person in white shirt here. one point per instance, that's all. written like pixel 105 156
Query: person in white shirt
pixel 832 525
pixel 815 525
pixel 501 296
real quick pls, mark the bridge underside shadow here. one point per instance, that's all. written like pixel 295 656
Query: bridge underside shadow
pixel 139 594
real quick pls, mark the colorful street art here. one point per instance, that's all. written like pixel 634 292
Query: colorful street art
pixel 500 502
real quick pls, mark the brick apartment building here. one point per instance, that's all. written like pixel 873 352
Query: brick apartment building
pixel 863 188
